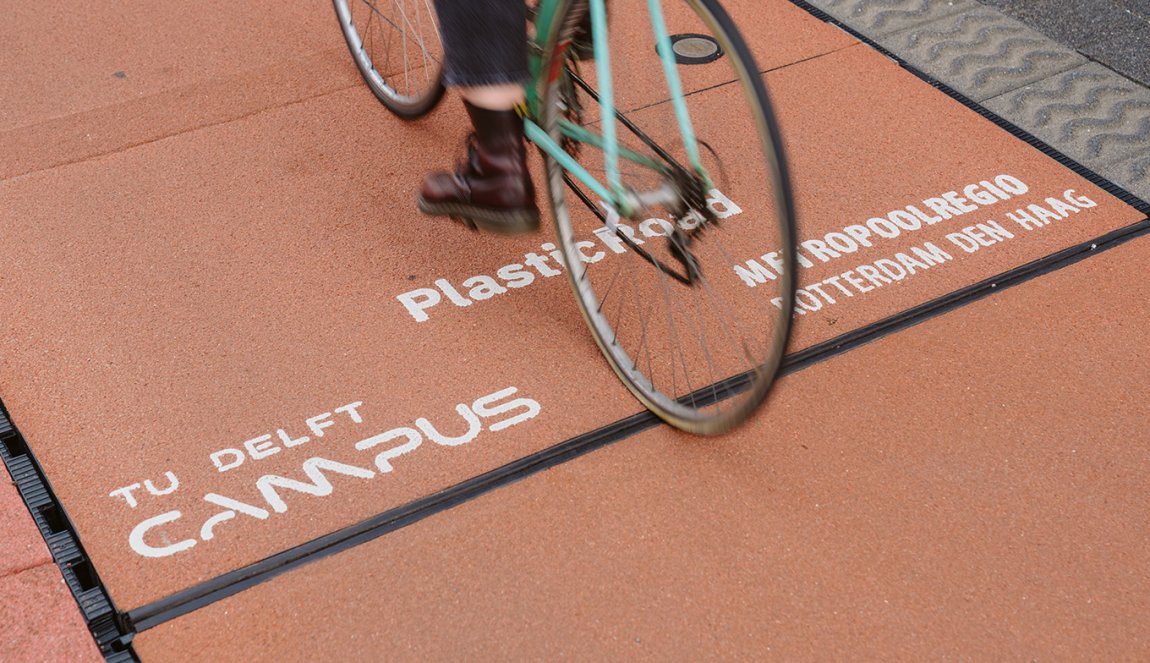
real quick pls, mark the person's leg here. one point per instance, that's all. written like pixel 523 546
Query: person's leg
pixel 484 41
pixel 495 97
pixel 485 44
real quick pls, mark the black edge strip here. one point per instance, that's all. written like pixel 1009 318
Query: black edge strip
pixel 1018 132
pixel 101 616
pixel 238 580
pixel 963 296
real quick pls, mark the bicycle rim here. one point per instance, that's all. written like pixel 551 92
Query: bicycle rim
pixel 397 49
pixel 701 355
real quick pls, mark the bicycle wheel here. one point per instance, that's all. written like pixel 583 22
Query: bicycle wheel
pixel 396 46
pixel 691 302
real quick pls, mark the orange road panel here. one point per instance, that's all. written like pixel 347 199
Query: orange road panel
pixel 905 195
pixel 85 81
pixel 137 120
pixel 81 81
pixel 196 314
pixel 63 60
pixel 789 35
pixel 232 341
pixel 969 488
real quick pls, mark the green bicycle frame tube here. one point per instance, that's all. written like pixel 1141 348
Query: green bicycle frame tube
pixel 674 86
pixel 613 190
pixel 537 135
pixel 544 19
pixel 606 99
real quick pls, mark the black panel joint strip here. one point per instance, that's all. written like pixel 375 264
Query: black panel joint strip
pixel 105 623
pixel 235 581
pixel 964 296
pixel 238 580
pixel 391 520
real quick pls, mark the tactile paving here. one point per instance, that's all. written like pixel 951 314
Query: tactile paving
pixel 877 18
pixel 981 52
pixel 1132 172
pixel 1090 113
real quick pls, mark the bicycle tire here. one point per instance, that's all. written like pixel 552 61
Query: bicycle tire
pixel 727 395
pixel 412 87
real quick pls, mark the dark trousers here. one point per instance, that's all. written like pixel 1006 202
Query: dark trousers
pixel 484 41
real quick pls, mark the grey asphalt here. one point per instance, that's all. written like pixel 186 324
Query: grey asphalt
pixel 1114 33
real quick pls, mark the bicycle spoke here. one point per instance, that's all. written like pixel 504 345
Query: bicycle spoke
pixel 722 315
pixel 643 344
pixel 370 32
pixel 674 340
pixel 618 328
pixel 631 126
pixel 699 336
pixel 376 12
pixel 727 310
pixel 704 348
pixel 610 286
pixel 396 46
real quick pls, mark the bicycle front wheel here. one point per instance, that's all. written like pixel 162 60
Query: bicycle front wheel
pixel 397 49
pixel 691 300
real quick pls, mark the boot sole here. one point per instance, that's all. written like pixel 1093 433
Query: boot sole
pixel 503 222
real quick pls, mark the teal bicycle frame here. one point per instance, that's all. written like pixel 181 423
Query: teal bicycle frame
pixel 613 191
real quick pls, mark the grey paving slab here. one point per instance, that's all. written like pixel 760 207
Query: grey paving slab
pixel 981 52
pixel 1090 113
pixel 1131 172
pixel 875 18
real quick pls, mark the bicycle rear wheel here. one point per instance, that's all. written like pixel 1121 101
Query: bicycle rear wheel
pixel 697 335
pixel 396 46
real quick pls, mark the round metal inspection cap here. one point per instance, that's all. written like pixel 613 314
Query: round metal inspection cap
pixel 695 49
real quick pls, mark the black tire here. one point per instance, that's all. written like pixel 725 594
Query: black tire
pixel 726 332
pixel 397 49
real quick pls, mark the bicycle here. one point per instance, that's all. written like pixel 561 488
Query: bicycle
pixel 650 191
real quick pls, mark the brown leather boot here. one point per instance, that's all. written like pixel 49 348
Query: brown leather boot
pixel 492 190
